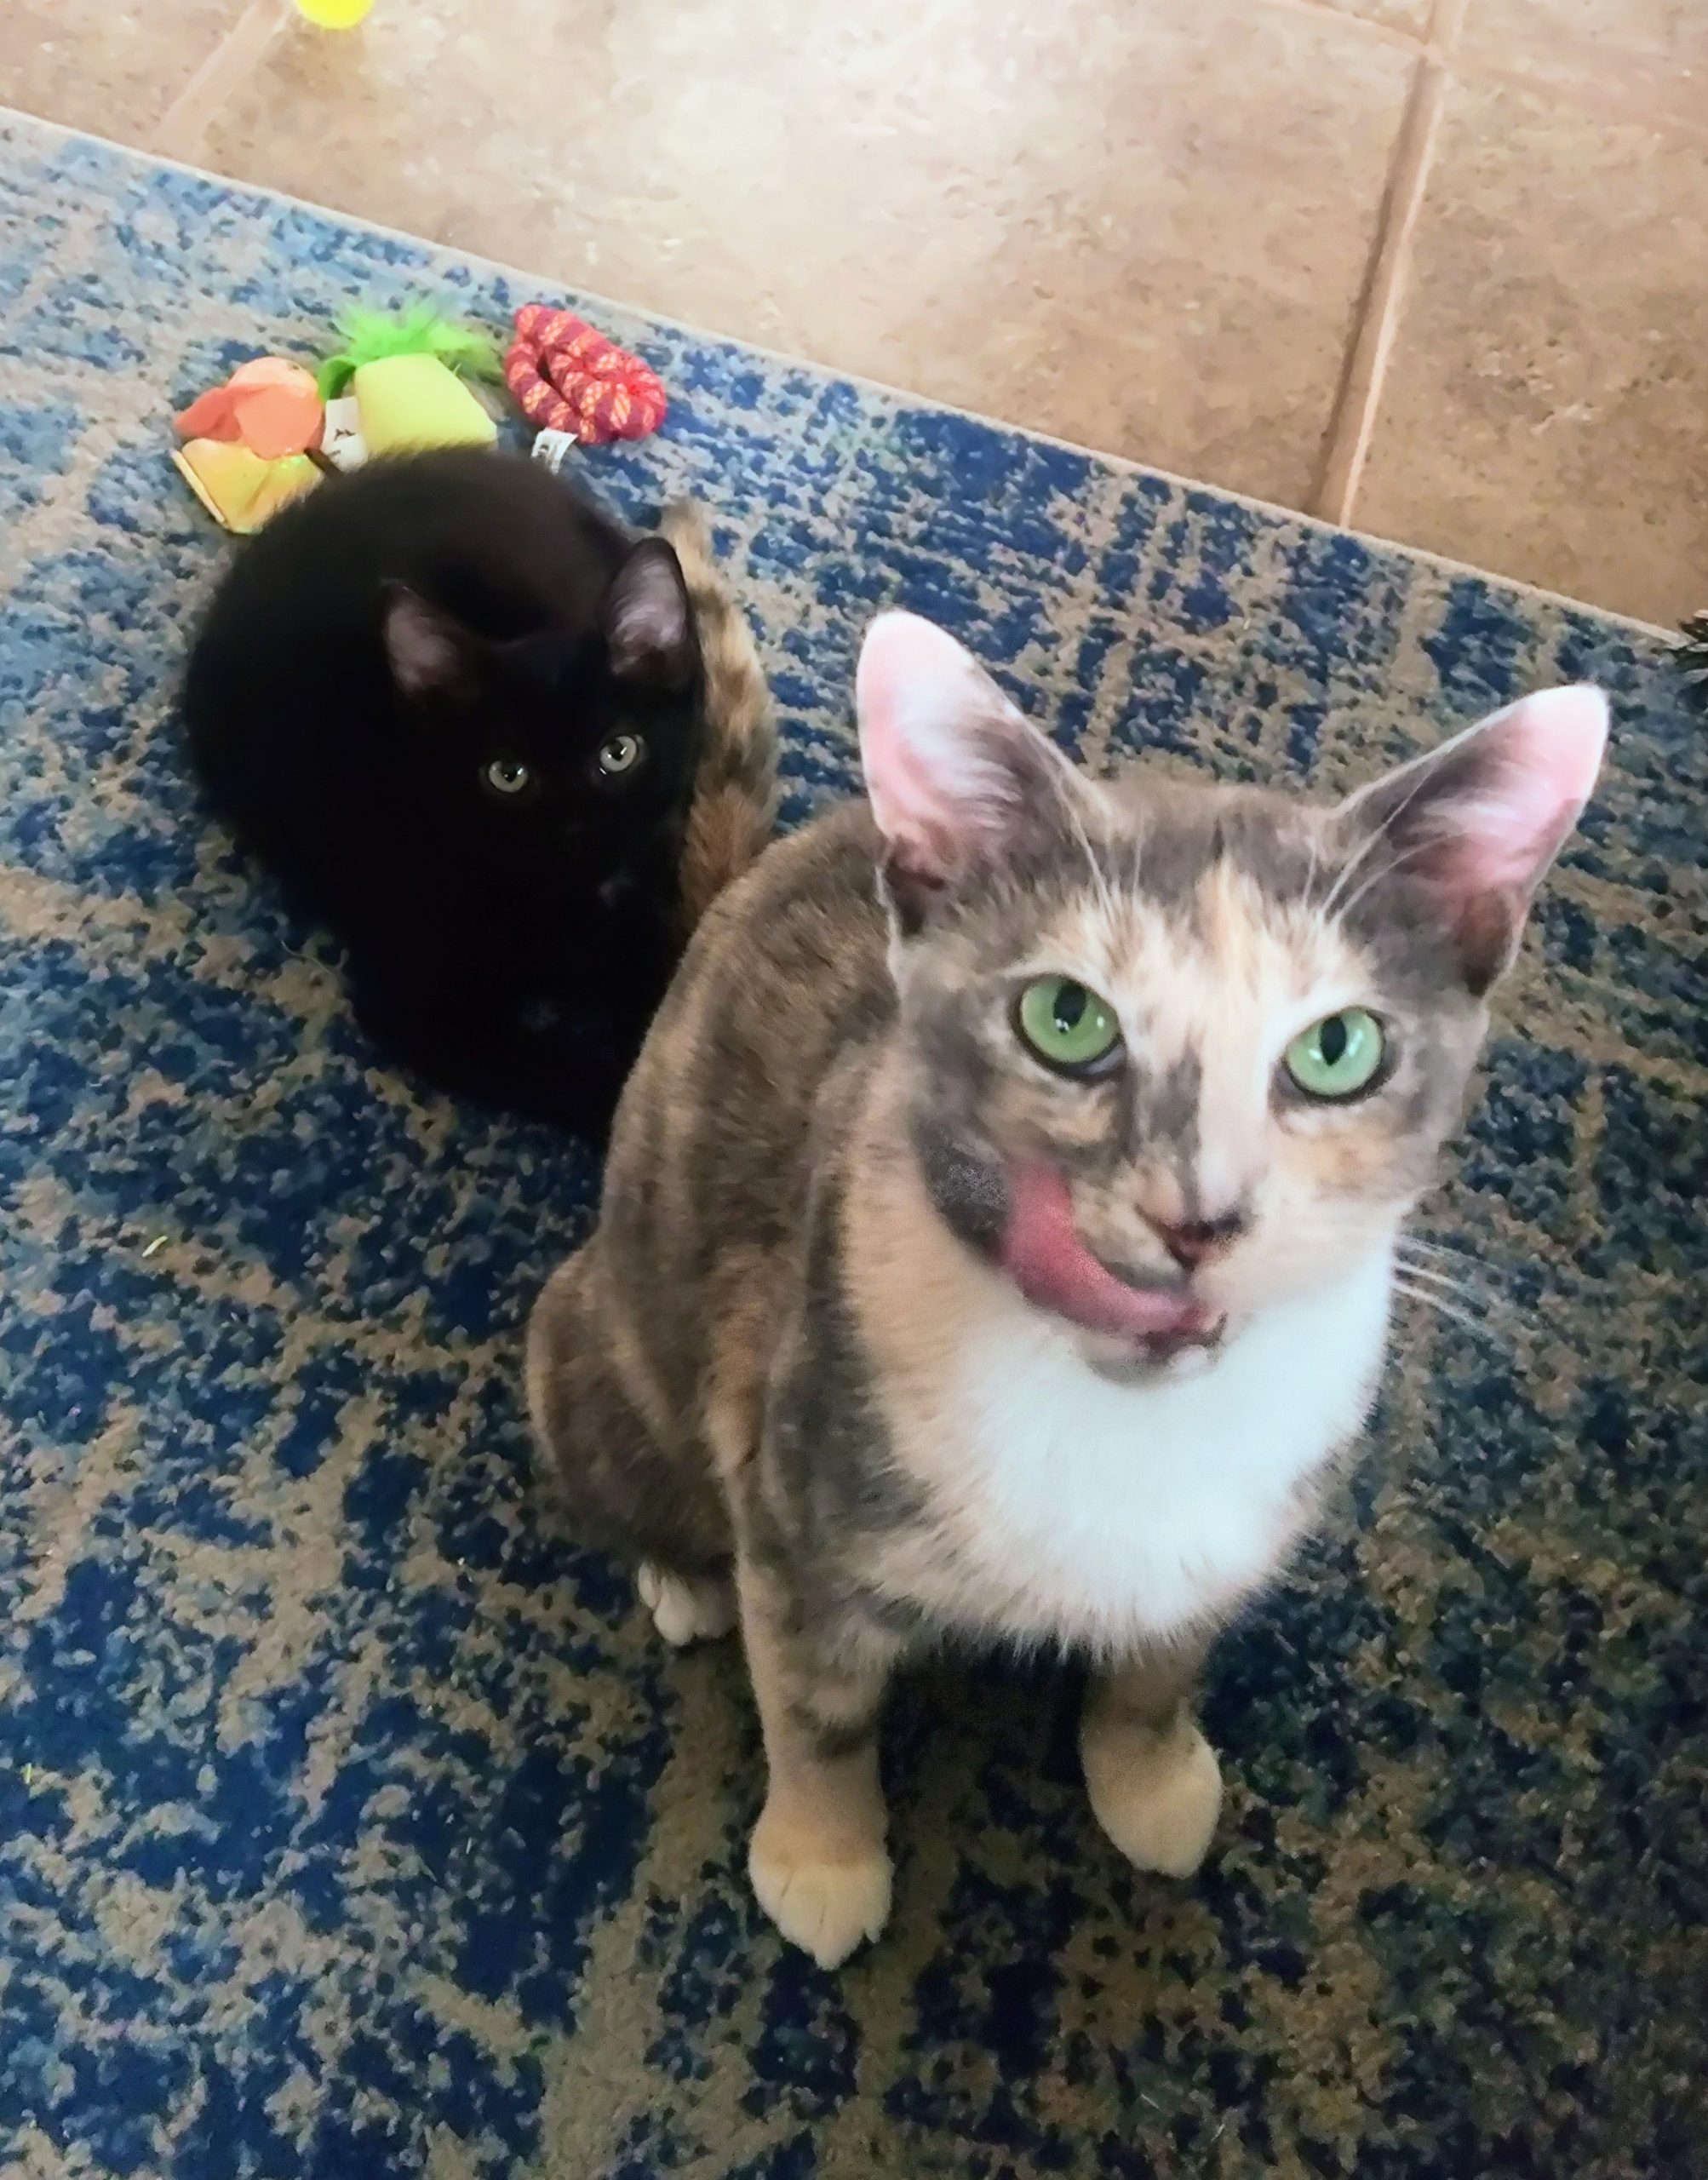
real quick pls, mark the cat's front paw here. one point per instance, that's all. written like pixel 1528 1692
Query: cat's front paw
pixel 826 1897
pixel 686 1607
pixel 1157 1795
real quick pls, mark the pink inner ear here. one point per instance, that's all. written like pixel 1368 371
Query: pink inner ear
pixel 421 643
pixel 933 728
pixel 1548 750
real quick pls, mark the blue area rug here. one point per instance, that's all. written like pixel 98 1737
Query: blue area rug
pixel 352 1823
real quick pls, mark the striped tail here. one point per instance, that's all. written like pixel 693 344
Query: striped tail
pixel 1692 655
pixel 734 793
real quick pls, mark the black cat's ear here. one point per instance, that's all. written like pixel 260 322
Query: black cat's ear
pixel 649 624
pixel 430 653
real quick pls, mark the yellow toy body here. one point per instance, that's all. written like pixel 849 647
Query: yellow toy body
pixel 334 14
pixel 239 488
pixel 409 402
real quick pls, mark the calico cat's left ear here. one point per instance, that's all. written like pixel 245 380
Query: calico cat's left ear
pixel 649 623
pixel 960 781
pixel 1476 823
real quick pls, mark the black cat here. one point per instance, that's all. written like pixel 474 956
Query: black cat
pixel 459 710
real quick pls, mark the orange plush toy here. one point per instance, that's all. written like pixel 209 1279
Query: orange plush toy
pixel 270 406
pixel 248 443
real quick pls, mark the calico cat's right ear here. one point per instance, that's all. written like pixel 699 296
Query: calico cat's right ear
pixel 1473 825
pixel 959 781
pixel 431 654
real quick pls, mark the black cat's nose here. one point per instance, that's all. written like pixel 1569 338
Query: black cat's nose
pixel 1190 1241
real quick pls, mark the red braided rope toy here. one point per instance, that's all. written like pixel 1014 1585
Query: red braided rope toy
pixel 570 378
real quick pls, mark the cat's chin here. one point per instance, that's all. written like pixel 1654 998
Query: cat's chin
pixel 1124 1361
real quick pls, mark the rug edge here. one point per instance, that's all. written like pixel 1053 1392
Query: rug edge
pixel 16 118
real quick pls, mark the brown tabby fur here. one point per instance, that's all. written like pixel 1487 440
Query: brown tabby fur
pixel 735 792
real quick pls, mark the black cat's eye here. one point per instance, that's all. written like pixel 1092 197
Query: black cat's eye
pixel 622 753
pixel 508 776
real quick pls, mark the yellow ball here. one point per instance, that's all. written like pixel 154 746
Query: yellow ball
pixel 335 14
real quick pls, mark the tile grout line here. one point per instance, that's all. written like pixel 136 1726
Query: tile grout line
pixel 1654 101
pixel 1326 13
pixel 1352 418
pixel 641 318
pixel 180 130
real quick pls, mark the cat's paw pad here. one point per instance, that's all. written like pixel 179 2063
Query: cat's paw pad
pixel 827 1908
pixel 1156 1795
pixel 686 1607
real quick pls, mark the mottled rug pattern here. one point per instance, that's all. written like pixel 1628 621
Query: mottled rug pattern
pixel 352 1821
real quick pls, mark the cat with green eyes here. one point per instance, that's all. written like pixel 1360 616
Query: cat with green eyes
pixel 1001 1222
pixel 501 747
pixel 1072 1029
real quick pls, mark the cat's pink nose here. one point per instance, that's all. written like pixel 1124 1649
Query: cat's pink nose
pixel 1190 1241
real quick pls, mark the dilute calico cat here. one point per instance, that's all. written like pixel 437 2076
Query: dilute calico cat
pixel 465 716
pixel 1000 1224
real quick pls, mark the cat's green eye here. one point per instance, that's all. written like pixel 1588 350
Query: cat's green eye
pixel 508 776
pixel 1339 1056
pixel 622 753
pixel 1066 1025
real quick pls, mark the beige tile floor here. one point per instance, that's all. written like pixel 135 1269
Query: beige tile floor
pixel 1436 268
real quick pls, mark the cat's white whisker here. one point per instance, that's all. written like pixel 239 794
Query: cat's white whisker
pixel 1331 906
pixel 1312 873
pixel 1427 1253
pixel 1328 905
pixel 1438 1303
pixel 1375 877
pixel 1100 885
pixel 1437 1278
pixel 1453 1264
pixel 1424 1247
pixel 1441 1287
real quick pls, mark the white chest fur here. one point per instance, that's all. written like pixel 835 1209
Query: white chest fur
pixel 1073 1509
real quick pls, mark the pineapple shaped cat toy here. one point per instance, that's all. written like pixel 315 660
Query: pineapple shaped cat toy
pixel 405 374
